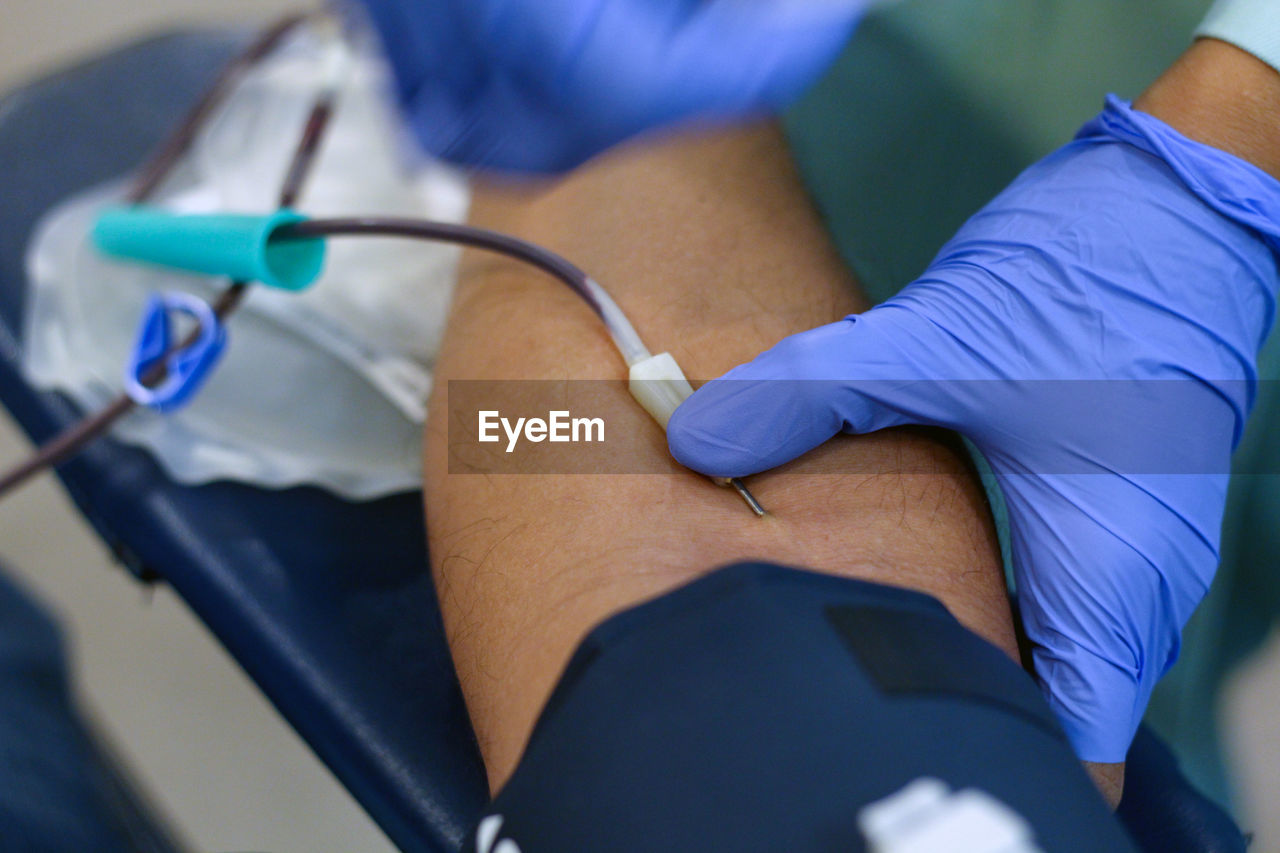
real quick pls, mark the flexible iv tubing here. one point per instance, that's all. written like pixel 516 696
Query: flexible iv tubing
pixel 616 323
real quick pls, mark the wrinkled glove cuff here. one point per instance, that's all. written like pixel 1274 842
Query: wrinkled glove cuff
pixel 1251 25
pixel 1234 188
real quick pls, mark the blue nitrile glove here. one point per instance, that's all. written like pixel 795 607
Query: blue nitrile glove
pixel 1094 332
pixel 543 85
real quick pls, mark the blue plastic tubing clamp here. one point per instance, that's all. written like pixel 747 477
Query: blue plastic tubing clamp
pixel 187 369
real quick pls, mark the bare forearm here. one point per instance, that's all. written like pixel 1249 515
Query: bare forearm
pixel 1222 96
pixel 710 246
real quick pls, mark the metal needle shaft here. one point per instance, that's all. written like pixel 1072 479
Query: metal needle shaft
pixel 747 496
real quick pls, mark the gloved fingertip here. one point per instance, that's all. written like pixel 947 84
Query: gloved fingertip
pixel 735 427
pixel 697 440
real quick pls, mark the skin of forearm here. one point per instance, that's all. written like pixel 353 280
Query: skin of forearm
pixel 1222 96
pixel 711 247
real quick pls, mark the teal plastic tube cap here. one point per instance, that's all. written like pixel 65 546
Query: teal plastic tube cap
pixel 239 246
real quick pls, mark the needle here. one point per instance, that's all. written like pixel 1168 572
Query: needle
pixel 747 496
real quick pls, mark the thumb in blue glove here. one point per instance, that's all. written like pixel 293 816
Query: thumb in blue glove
pixel 543 85
pixel 1094 332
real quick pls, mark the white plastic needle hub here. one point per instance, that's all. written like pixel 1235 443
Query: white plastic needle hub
pixel 660 386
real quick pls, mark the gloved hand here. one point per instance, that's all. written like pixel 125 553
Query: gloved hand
pixel 543 85
pixel 1094 331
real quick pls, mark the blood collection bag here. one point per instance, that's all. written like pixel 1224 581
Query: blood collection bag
pixel 324 388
